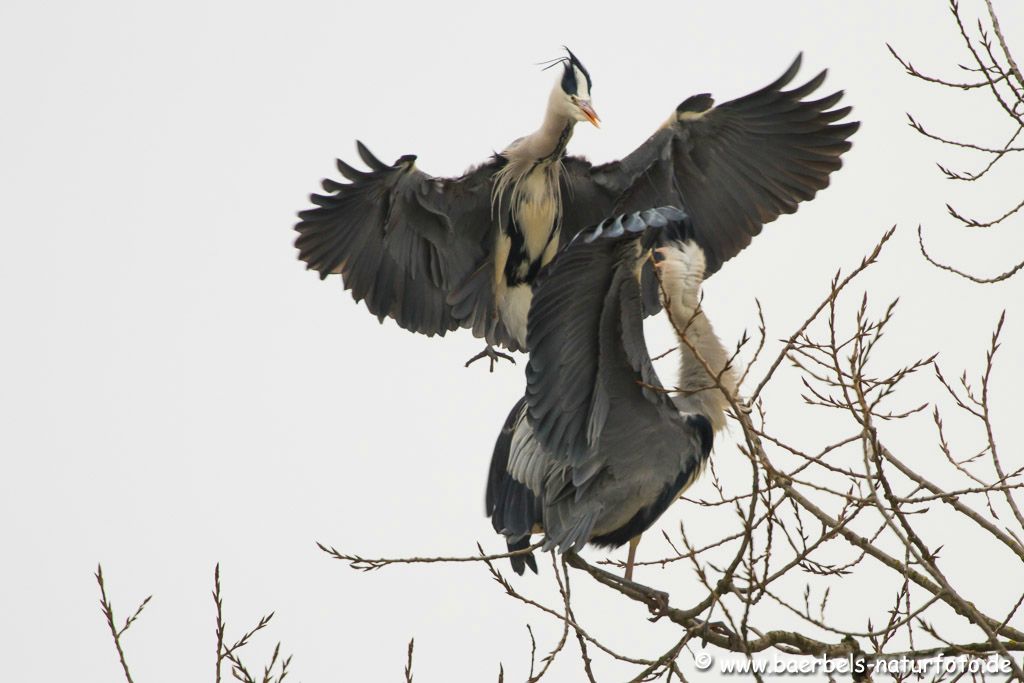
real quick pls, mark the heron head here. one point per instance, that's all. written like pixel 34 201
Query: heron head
pixel 575 89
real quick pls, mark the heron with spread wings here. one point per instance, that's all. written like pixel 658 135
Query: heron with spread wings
pixel 599 448
pixel 436 254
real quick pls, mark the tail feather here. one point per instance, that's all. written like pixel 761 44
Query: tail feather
pixel 510 504
pixel 521 562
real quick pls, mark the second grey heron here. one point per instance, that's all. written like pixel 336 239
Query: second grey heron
pixel 597 449
pixel 435 254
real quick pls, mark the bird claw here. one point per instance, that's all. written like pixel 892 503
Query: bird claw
pixel 492 355
pixel 660 606
pixel 717 627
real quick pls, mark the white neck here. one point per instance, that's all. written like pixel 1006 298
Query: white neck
pixel 693 376
pixel 556 118
pixel 681 276
pixel 545 141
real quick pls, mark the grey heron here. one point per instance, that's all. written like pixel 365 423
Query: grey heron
pixel 435 254
pixel 596 450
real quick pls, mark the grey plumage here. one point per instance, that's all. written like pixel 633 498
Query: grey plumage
pixel 596 450
pixel 733 167
pixel 435 254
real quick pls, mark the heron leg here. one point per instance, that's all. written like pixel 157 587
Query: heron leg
pixel 490 353
pixel 660 598
pixel 631 557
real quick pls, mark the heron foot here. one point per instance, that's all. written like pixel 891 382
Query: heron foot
pixel 660 606
pixel 657 601
pixel 717 627
pixel 490 353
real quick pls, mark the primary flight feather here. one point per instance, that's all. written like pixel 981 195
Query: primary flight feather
pixel 436 254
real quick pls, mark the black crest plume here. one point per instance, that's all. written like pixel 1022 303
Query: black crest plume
pixel 569 82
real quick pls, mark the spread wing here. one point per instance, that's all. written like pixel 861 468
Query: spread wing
pixel 588 357
pixel 410 245
pixel 731 167
pixel 593 402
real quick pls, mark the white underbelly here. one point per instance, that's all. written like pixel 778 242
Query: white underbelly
pixel 514 303
pixel 537 213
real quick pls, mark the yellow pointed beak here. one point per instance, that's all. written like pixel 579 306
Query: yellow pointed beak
pixel 589 112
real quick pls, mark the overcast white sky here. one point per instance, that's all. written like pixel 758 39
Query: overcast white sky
pixel 177 391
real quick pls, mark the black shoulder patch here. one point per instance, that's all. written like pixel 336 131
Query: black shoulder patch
pixel 697 104
pixel 702 425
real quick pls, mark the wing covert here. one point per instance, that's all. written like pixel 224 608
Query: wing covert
pixel 732 167
pixel 404 241
pixel 586 336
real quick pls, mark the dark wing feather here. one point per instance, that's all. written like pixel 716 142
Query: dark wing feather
pixel 510 503
pixel 585 313
pixel 595 430
pixel 733 167
pixel 407 243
